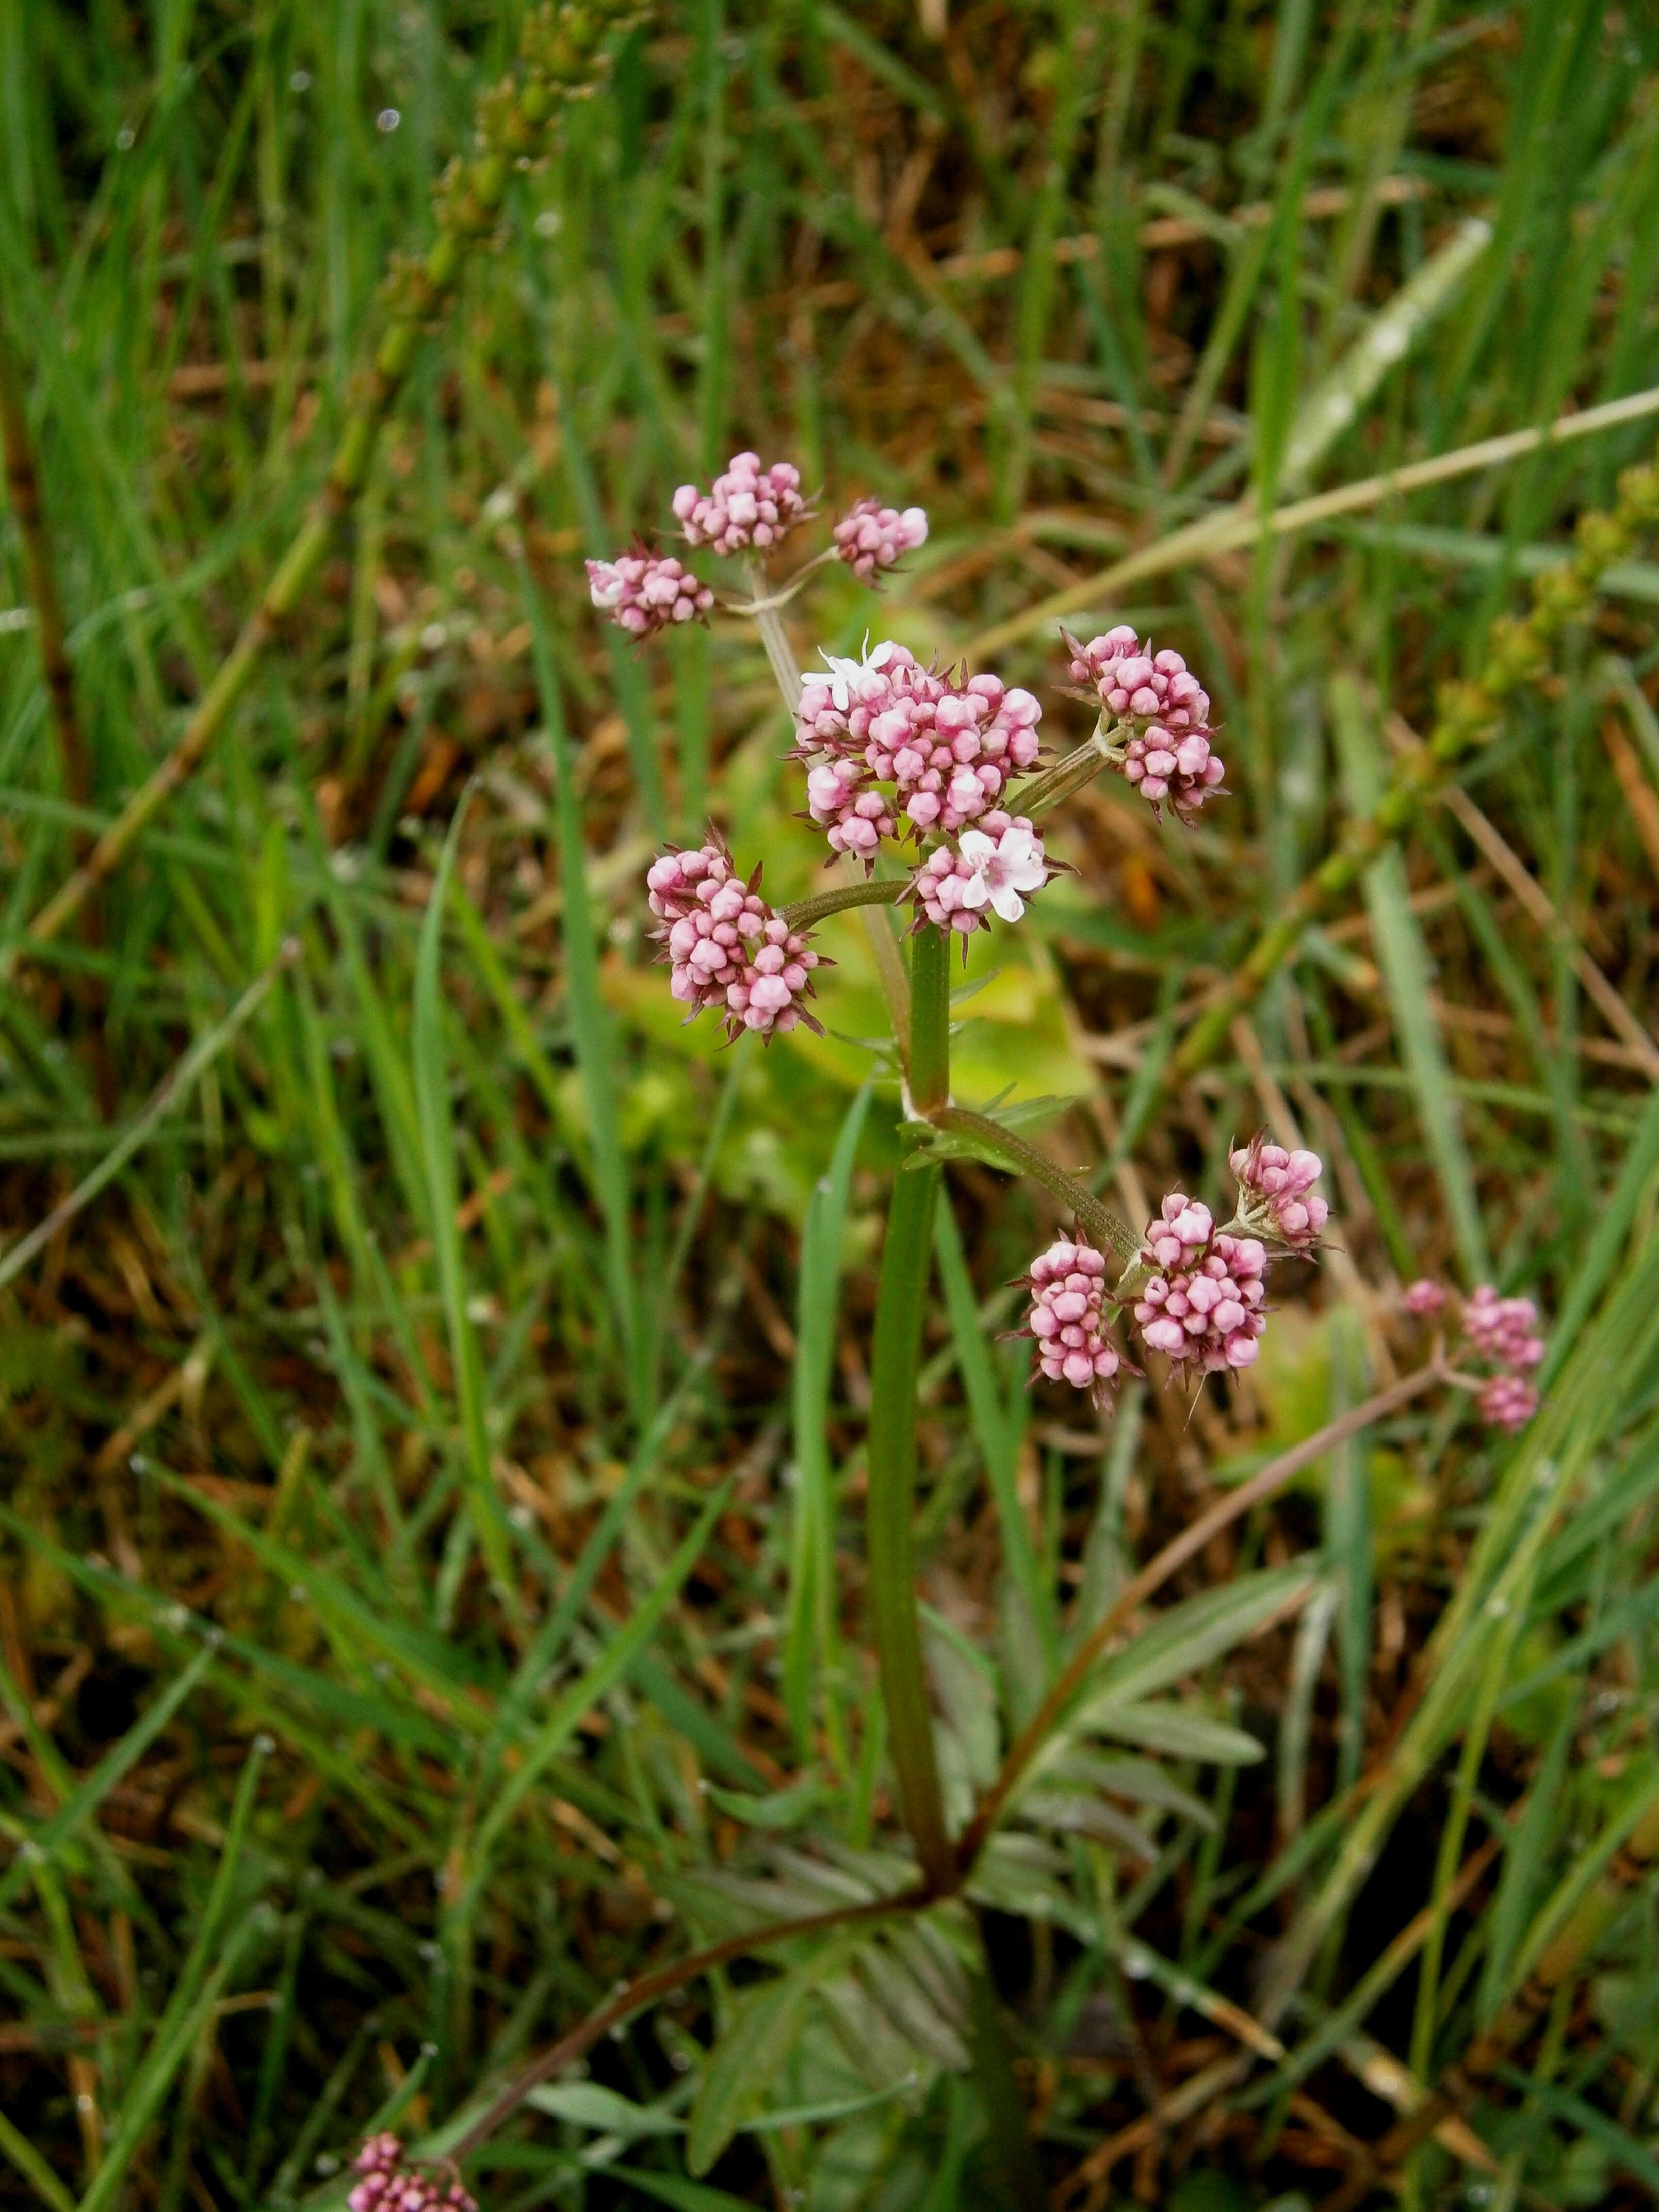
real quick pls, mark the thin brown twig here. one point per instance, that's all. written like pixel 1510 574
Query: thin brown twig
pixel 1174 1556
pixel 662 1984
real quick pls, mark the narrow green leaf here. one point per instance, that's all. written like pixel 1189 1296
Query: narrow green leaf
pixel 1183 1640
pixel 810 1638
pixel 746 2060
pixel 438 1160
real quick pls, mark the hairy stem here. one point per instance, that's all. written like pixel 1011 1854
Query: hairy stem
pixel 806 913
pixel 930 1020
pixel 1101 1224
pixel 1174 1556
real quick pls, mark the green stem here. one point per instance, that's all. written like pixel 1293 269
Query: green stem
pixel 930 1020
pixel 1108 1231
pixel 806 913
pixel 1007 2130
pixel 889 1509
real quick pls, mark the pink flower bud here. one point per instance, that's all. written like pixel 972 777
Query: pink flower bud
pixel 643 591
pixel 871 538
pixel 748 505
pixel 1067 1320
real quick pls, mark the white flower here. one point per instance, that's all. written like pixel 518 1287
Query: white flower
pixel 845 674
pixel 1001 870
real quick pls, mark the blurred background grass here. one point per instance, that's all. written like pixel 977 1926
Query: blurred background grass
pixel 440 1266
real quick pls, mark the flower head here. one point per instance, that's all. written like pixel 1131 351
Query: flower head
pixel 1166 755
pixel 727 949
pixel 995 866
pixel 1423 1297
pixel 1202 1297
pixel 1276 1192
pixel 949 748
pixel 750 505
pixel 870 538
pixel 1507 1402
pixel 1068 1291
pixel 1503 1330
pixel 643 591
pixel 389 2185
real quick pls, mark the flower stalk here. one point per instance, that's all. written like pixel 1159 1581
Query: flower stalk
pixel 891 1496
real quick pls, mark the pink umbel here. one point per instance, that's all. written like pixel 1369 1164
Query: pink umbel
pixel 948 749
pixel 871 538
pixel 749 506
pixel 996 867
pixel 1165 710
pixel 728 951
pixel 841 798
pixel 1068 1292
pixel 389 2185
pixel 1276 1194
pixel 1503 1330
pixel 643 591
pixel 1202 1297
pixel 1507 1402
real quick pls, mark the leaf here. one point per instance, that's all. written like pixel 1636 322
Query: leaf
pixel 784 1809
pixel 1184 1640
pixel 1408 973
pixel 684 2196
pixel 590 2104
pixel 1142 1781
pixel 1180 1731
pixel 437 1131
pixel 745 2061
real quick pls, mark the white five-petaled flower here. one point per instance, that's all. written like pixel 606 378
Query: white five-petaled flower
pixel 845 672
pixel 1001 868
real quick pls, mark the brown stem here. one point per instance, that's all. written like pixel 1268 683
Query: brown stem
pixel 23 490
pixel 1175 1555
pixel 662 1984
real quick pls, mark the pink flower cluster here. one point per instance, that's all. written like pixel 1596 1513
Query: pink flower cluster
pixel 992 865
pixel 1503 1332
pixel 389 2185
pixel 1202 1298
pixel 726 948
pixel 748 505
pixel 948 749
pixel 1067 1318
pixel 1276 1192
pixel 643 591
pixel 871 537
pixel 1167 754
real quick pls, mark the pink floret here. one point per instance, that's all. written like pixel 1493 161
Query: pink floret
pixel 1167 754
pixel 1423 1297
pixel 1069 1290
pixel 645 591
pixel 871 538
pixel 1276 1192
pixel 1202 1297
pixel 728 951
pixel 749 506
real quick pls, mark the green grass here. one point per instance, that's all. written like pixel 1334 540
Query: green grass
pixel 431 1588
